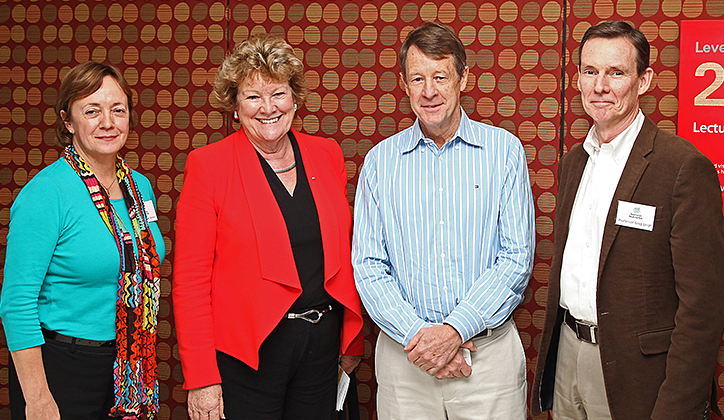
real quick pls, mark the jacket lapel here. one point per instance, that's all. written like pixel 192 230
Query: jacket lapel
pixel 328 222
pixel 568 195
pixel 632 172
pixel 568 187
pixel 276 260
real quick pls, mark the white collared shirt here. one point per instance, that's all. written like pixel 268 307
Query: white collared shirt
pixel 579 270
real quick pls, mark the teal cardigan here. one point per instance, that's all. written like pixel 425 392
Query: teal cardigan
pixel 62 263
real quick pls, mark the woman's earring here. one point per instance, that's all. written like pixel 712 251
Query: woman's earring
pixel 295 107
pixel 236 116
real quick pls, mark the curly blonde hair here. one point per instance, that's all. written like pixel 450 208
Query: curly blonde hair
pixel 262 55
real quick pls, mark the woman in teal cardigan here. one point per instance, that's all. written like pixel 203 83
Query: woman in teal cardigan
pixel 81 279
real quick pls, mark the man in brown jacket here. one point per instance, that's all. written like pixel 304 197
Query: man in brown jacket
pixel 635 314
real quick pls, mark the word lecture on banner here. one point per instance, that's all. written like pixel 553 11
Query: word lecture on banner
pixel 701 96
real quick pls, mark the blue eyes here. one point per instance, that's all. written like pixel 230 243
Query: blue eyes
pixel 257 97
pixel 95 112
pixel 593 73
pixel 436 78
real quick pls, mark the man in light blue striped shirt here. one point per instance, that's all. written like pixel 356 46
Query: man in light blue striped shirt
pixel 443 249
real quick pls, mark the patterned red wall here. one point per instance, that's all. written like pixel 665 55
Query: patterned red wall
pixel 169 53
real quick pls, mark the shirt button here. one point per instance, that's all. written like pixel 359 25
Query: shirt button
pixel 587 245
pixel 442 255
pixel 457 147
pixel 440 158
pixel 442 222
pixel 441 189
pixel 444 288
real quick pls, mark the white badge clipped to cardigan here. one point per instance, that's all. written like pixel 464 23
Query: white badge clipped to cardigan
pixel 150 211
pixel 637 216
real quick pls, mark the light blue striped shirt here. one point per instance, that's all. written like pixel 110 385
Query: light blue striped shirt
pixel 443 235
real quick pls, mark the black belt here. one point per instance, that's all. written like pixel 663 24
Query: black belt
pixel 484 333
pixel 584 331
pixel 311 315
pixel 52 335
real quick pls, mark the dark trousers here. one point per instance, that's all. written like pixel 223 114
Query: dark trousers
pixel 79 377
pixel 297 376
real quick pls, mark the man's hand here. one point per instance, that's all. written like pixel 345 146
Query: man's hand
pixel 434 347
pixel 456 368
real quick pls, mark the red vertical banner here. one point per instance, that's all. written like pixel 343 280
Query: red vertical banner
pixel 701 95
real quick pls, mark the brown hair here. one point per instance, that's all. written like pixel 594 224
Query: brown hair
pixel 82 81
pixel 620 29
pixel 264 55
pixel 437 41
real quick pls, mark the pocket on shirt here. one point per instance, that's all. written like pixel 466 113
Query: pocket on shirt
pixel 655 342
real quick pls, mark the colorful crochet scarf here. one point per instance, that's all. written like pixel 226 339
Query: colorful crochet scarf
pixel 135 373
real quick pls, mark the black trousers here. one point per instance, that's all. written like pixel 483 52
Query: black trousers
pixel 297 376
pixel 79 377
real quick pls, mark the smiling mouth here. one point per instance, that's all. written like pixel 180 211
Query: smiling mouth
pixel 269 121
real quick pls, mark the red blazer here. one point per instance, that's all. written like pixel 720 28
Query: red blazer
pixel 234 271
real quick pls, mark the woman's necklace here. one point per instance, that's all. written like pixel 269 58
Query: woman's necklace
pixel 287 169
pixel 108 190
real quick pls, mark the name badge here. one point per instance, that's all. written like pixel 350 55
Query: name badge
pixel 150 211
pixel 637 216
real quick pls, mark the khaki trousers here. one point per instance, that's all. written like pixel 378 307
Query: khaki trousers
pixel 580 393
pixel 496 390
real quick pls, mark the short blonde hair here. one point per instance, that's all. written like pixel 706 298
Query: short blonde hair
pixel 263 55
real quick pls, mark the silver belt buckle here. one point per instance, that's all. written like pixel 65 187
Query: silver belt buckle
pixel 312 315
pixel 591 332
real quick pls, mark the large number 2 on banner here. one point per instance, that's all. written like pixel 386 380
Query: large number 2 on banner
pixel 703 99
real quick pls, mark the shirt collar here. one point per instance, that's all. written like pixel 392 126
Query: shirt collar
pixel 621 145
pixel 464 133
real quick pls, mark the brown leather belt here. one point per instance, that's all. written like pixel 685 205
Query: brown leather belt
pixel 584 331
pixel 52 335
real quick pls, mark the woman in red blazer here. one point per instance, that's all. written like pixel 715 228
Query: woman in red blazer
pixel 263 294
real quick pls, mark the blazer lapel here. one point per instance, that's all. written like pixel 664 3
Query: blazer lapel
pixel 575 160
pixel 568 195
pixel 632 172
pixel 276 260
pixel 328 222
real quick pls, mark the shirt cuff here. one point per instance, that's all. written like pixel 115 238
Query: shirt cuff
pixel 417 326
pixel 466 320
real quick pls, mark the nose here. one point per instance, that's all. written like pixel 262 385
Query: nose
pixel 266 104
pixel 428 89
pixel 107 119
pixel 600 83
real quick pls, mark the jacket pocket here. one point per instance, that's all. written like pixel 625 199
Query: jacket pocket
pixel 655 342
pixel 659 213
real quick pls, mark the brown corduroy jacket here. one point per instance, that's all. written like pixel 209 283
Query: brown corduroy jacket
pixel 660 294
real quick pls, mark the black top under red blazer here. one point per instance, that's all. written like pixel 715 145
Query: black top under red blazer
pixel 234 275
